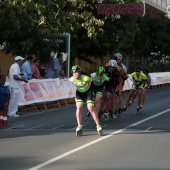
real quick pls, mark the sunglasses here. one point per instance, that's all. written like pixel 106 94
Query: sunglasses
pixel 138 71
pixel 111 67
pixel 99 75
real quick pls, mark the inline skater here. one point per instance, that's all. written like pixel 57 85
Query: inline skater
pixel 146 86
pixel 84 93
pixel 139 79
pixel 123 70
pixel 98 81
pixel 112 88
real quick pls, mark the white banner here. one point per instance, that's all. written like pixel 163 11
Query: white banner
pixel 44 90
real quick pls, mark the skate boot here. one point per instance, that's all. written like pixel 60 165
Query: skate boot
pixel 124 109
pixel 141 106
pixel 111 115
pixel 99 130
pixel 138 110
pixel 79 131
pixel 119 112
pixel 105 116
pixel 115 114
pixel 131 102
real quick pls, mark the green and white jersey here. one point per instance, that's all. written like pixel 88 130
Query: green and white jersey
pixel 99 81
pixel 82 84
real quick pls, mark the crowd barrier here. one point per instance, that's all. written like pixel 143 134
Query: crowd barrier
pixel 47 90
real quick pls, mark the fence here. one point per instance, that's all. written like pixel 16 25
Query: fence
pixel 51 92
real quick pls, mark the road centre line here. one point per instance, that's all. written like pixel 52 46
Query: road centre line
pixel 57 127
pixel 94 142
pixel 58 108
pixel 15 127
pixel 144 120
pixel 35 127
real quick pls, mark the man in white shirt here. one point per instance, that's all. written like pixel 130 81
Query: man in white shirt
pixel 15 79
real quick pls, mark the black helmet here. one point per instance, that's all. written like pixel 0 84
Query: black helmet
pixel 76 68
pixel 146 70
pixel 138 68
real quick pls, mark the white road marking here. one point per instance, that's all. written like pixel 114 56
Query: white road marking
pixel 15 127
pixel 35 127
pixel 74 128
pixel 57 127
pixel 93 142
pixel 59 108
pixel 144 120
pixel 147 129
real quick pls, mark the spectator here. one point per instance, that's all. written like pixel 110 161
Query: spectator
pixel 26 67
pixel 2 76
pixel 15 78
pixel 35 69
pixel 54 69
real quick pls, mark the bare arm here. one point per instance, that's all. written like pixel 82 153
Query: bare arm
pixel 57 73
pixel 20 79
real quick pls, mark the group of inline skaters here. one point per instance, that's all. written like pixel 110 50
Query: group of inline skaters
pixel 102 91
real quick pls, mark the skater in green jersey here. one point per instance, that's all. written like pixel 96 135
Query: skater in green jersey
pixel 84 93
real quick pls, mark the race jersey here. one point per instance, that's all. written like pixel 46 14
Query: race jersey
pixel 142 77
pixel 82 84
pixel 114 77
pixel 124 71
pixel 99 81
pixel 148 83
pixel 148 78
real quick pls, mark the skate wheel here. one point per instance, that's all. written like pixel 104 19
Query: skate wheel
pixel 100 132
pixel 79 133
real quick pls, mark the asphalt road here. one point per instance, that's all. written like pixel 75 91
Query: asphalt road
pixel 46 139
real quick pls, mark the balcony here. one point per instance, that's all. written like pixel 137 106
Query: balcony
pixel 157 5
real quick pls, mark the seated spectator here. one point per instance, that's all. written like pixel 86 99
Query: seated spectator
pixel 35 69
pixel 26 67
pixel 54 69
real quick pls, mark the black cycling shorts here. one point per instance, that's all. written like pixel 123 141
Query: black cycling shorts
pixel 85 97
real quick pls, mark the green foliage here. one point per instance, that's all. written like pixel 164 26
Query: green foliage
pixel 24 26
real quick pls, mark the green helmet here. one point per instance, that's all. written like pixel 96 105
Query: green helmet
pixel 76 68
pixel 100 70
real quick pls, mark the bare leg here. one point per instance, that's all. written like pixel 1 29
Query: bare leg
pixel 108 101
pixel 98 103
pixel 143 96
pixel 140 96
pixel 79 113
pixel 93 113
pixel 129 97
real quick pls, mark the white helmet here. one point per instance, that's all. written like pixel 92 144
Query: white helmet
pixel 113 63
pixel 118 56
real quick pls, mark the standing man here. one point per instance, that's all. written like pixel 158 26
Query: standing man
pixel 54 69
pixel 26 68
pixel 15 78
